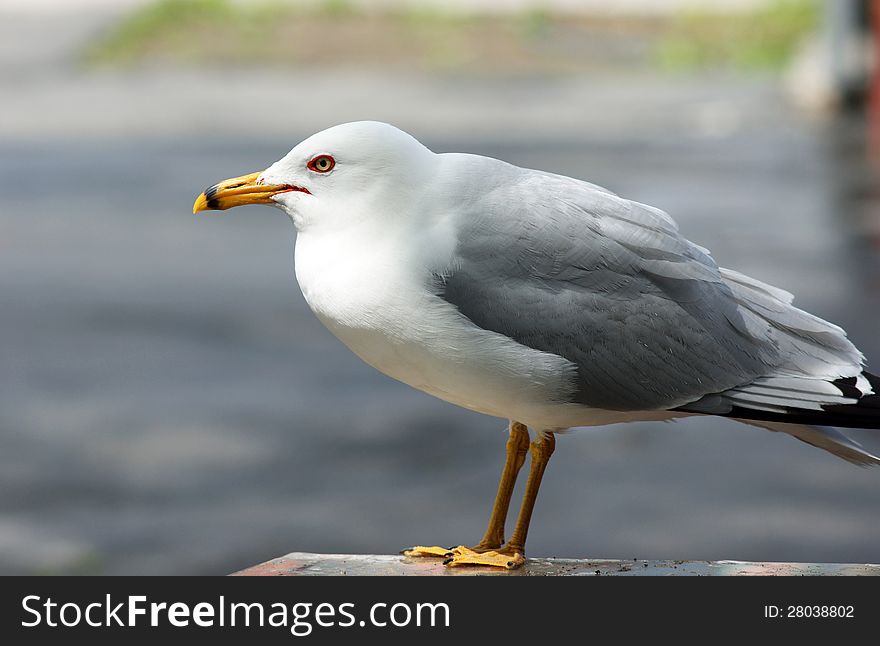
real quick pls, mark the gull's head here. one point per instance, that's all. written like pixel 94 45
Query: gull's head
pixel 344 173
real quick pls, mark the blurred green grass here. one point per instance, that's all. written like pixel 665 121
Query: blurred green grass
pixel 764 38
pixel 337 32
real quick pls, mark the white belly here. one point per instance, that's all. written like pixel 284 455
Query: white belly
pixel 473 372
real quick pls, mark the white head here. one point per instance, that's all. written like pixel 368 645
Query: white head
pixel 335 177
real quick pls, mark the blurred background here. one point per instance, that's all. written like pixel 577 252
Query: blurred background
pixel 170 405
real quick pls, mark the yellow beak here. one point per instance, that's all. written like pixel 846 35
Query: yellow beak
pixel 238 191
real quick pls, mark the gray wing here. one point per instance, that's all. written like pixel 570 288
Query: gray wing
pixel 647 317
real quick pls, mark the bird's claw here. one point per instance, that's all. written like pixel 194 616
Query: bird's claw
pixel 506 558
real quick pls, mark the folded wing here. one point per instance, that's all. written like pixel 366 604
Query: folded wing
pixel 648 318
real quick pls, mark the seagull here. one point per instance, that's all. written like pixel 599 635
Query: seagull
pixel 544 300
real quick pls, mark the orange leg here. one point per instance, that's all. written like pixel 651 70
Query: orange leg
pixel 512 555
pixel 517 447
pixel 489 551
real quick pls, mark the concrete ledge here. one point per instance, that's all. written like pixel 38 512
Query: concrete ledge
pixel 305 564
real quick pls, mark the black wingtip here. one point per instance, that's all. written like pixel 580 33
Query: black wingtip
pixel 863 413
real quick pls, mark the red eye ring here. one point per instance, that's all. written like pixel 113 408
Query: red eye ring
pixel 321 164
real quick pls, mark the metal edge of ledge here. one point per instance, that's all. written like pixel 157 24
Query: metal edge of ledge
pixel 307 564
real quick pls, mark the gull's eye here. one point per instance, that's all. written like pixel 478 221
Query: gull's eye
pixel 322 164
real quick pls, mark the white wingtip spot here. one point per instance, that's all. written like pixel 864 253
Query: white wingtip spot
pixel 864 385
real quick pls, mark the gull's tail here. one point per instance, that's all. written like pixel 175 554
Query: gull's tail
pixel 819 382
pixel 806 408
pixel 827 438
pixel 862 411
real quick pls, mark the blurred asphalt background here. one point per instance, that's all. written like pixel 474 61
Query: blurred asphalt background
pixel 170 405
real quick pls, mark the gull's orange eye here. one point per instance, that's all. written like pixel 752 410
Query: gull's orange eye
pixel 322 164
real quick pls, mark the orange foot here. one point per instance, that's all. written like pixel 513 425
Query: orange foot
pixel 508 558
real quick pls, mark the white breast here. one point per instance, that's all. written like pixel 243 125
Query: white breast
pixel 378 303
